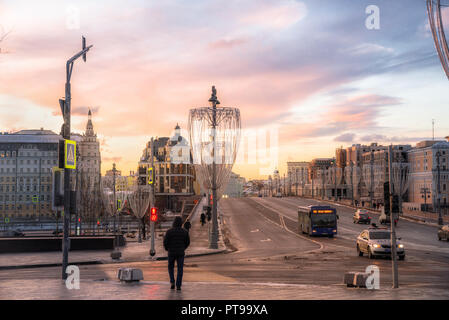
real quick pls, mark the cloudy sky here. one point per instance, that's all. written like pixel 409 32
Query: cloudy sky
pixel 310 71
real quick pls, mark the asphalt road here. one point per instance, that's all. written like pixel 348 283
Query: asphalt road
pixel 269 249
pixel 266 252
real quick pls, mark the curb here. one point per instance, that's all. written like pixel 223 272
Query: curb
pixel 49 265
pixel 196 254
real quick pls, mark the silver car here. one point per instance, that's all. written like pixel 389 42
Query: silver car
pixel 376 242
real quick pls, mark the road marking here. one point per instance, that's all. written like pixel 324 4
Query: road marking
pixel 257 230
pixel 268 239
pixel 294 233
pixel 283 222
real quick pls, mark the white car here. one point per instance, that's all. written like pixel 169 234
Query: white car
pixel 377 242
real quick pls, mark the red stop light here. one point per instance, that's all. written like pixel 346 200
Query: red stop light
pixel 98 222
pixel 153 215
pixel 79 219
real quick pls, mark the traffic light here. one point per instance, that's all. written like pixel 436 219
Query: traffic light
pixel 150 175
pixel 209 213
pixel 98 222
pixel 57 188
pixel 153 214
pixel 387 199
pixel 119 204
pixel 142 179
pixel 61 154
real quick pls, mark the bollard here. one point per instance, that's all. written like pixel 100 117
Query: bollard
pixel 129 274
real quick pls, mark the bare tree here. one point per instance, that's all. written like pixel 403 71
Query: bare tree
pixel 90 204
pixel 3 35
pixel 400 174
pixel 139 200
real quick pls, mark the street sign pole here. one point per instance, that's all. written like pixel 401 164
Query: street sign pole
pixel 65 106
pixel 152 251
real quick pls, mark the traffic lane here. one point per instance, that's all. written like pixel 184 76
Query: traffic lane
pixel 344 238
pixel 346 228
pixel 258 234
pixel 414 235
pixel 419 239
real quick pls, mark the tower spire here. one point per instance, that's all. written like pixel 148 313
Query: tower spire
pixel 89 126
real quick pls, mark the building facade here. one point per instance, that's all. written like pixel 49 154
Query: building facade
pixel 423 185
pixel 26 161
pixel 173 168
pixel 234 188
pixel 298 176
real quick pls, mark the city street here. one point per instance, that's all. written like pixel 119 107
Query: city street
pixel 266 259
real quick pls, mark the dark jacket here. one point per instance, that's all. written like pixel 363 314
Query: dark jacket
pixel 176 239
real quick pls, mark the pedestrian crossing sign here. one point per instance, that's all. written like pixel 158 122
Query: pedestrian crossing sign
pixel 70 154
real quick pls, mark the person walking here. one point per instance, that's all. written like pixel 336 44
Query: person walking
pixel 176 241
pixel 203 219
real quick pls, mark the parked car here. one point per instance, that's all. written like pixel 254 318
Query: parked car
pixel 361 216
pixel 12 233
pixel 443 233
pixel 377 242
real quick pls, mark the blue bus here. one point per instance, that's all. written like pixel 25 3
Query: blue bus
pixel 317 220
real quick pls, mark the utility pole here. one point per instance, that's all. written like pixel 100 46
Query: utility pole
pixel 312 184
pixel 371 191
pixel 296 180
pixel 425 191
pixel 114 206
pixel 335 177
pixel 285 187
pixel 214 234
pixel 392 222
pixel 65 106
pixel 352 182
pixel 440 217
pixel 322 183
pixel 152 251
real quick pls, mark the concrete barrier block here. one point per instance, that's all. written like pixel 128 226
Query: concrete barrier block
pixel 355 279
pixel 129 274
pixel 348 279
pixel 116 255
pixel 360 279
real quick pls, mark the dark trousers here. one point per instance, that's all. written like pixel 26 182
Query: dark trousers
pixel 171 268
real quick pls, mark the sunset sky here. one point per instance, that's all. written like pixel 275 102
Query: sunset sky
pixel 309 69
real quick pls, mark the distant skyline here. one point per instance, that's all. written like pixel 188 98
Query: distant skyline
pixel 311 69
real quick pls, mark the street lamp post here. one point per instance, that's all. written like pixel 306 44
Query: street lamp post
pixel 114 206
pixel 392 222
pixel 440 218
pixel 214 234
pixel 65 108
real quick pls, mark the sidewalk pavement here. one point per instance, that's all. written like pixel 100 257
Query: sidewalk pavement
pixel 31 289
pixel 132 252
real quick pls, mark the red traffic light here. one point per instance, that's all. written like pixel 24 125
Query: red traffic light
pixel 79 219
pixel 153 215
pixel 98 222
